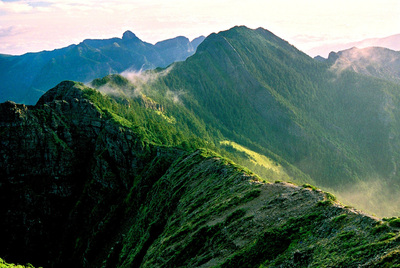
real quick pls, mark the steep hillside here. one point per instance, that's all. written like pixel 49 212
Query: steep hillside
pixel 340 130
pixel 254 89
pixel 373 61
pixel 88 188
pixel 25 78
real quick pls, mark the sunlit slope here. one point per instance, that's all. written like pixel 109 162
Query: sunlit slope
pixel 262 92
pixel 163 119
pixel 257 161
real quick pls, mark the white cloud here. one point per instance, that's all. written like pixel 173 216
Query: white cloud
pixel 14 7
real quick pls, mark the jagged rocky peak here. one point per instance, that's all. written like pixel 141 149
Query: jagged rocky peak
pixel 63 91
pixel 11 112
pixel 128 35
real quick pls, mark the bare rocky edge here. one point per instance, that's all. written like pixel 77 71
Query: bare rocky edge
pixel 80 189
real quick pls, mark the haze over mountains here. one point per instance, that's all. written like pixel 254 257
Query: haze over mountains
pixel 25 78
pixel 135 170
pixel 373 61
pixel 391 42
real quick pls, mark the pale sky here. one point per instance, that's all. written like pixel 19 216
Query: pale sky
pixel 31 26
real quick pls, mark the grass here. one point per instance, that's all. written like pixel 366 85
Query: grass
pixel 4 264
pixel 309 186
pixel 257 158
pixel 339 218
pixel 395 222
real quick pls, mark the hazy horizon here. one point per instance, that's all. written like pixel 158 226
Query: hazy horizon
pixel 32 26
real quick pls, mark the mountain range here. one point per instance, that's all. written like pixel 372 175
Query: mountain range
pixel 26 77
pixel 391 42
pixel 209 162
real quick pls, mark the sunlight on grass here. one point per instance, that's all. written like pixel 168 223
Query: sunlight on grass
pixel 257 158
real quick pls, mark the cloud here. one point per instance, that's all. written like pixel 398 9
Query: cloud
pixel 14 7
pixel 12 31
pixel 175 96
pixel 372 196
pixel 144 77
pixel 24 6
pixel 6 31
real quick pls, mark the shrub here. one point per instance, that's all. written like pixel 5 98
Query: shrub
pixel 395 222
pixel 306 185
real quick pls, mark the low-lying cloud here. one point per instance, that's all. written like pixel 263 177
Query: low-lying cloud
pixel 141 84
pixel 373 196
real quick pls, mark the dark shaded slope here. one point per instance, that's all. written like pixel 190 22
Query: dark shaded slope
pixel 25 78
pixel 84 189
pixel 71 173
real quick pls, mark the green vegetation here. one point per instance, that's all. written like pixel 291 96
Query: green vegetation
pixel 323 128
pixel 3 264
pixel 237 214
pixel 395 222
pixel 340 218
pixel 310 186
pixel 320 127
pixel 151 124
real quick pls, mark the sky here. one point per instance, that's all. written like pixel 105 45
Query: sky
pixel 31 26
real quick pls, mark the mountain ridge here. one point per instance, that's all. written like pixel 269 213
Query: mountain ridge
pixel 281 103
pixel 26 77
pixel 191 208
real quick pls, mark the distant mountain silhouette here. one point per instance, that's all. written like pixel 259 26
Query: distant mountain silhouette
pixel 392 42
pixel 25 78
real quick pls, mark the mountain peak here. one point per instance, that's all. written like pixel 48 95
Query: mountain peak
pixel 128 35
pixel 65 90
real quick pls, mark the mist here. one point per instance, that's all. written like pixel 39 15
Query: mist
pixel 145 77
pixel 375 196
pixel 141 84
pixel 373 61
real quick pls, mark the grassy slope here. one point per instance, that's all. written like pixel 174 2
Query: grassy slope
pixel 204 211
